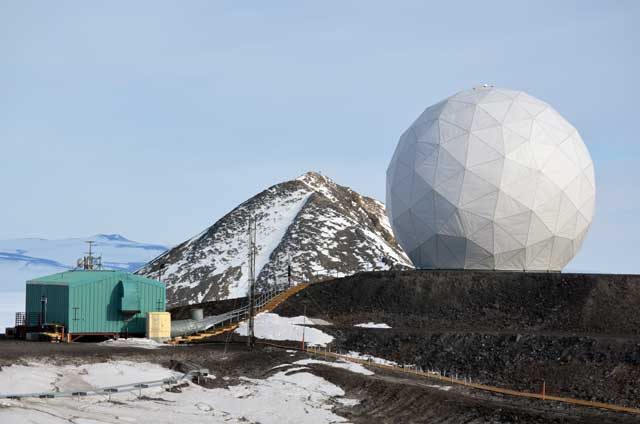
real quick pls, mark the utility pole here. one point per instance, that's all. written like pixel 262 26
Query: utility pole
pixel 304 325
pixel 252 282
pixel 288 269
pixel 43 309
pixel 160 269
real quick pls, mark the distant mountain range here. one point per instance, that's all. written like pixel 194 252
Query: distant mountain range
pixel 319 227
pixel 24 259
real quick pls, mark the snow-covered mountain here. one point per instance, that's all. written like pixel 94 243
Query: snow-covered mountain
pixel 318 226
pixel 24 259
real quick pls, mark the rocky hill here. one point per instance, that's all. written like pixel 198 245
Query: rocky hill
pixel 317 226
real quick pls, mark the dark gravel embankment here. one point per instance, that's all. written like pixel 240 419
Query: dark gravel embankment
pixel 578 333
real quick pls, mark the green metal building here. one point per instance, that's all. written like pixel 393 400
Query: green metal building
pixel 95 302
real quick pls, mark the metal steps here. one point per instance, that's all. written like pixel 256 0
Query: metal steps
pixel 268 306
pixel 202 335
pixel 276 301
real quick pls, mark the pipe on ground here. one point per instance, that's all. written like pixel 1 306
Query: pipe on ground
pixel 187 327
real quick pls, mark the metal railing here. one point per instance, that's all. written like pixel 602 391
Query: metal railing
pixel 462 381
pixel 30 319
pixel 188 327
pixel 264 298
pixel 109 390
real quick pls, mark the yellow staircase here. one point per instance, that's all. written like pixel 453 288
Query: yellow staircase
pixel 202 335
pixel 276 301
pixel 269 306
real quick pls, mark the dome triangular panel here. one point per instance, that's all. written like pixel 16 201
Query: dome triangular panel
pixel 491 178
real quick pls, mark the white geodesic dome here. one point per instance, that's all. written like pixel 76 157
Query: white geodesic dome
pixel 491 179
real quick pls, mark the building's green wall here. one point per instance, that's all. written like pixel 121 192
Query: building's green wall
pixel 57 302
pixel 91 301
pixel 98 306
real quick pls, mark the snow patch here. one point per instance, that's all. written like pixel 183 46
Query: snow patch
pixel 370 358
pixel 443 388
pixel 347 401
pixel 345 365
pixel 133 342
pixel 320 322
pixel 372 325
pixel 274 327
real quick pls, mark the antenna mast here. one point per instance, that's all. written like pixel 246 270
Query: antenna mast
pixel 252 281
pixel 89 261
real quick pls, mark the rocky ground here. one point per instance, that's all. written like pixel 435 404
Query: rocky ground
pixel 577 333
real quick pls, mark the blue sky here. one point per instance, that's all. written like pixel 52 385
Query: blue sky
pixel 155 118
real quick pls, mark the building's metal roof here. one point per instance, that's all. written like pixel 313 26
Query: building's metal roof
pixel 82 276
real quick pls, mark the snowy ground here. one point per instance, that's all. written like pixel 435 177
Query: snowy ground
pixel 40 377
pixel 134 342
pixel 291 395
pixel 274 327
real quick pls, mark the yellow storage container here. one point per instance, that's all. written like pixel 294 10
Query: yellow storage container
pixel 159 326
